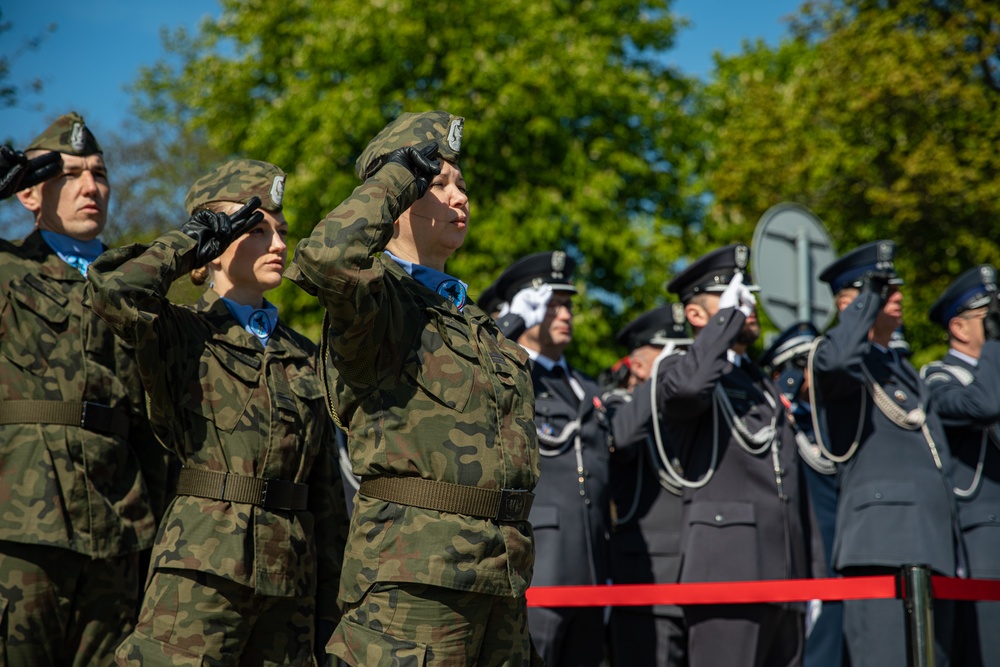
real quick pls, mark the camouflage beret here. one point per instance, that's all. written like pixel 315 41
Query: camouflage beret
pixel 238 181
pixel 68 134
pixel 413 129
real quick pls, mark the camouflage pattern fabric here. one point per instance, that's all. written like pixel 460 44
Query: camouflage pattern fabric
pixel 422 390
pixel 66 486
pixel 68 134
pixel 427 627
pixel 413 129
pixel 222 402
pixel 40 627
pixel 239 181
pixel 202 620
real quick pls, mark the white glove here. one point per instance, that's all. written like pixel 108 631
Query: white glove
pixel 737 295
pixel 731 296
pixel 530 304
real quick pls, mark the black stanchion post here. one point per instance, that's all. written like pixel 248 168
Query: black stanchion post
pixel 915 586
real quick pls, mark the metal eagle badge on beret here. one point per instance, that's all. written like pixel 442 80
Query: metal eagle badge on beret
pixel 238 181
pixel 68 134
pixel 413 129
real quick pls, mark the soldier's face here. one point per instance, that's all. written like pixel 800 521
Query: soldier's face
pixel 891 316
pixel 439 220
pixel 556 330
pixel 76 202
pixel 253 263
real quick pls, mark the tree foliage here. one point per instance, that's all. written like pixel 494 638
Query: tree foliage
pixel 576 136
pixel 882 117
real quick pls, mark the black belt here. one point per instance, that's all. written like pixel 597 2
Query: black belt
pixel 91 416
pixel 494 504
pixel 267 493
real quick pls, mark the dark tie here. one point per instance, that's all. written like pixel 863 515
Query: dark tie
pixel 562 385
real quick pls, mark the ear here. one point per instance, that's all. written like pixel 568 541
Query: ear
pixel 958 328
pixel 696 315
pixel 31 198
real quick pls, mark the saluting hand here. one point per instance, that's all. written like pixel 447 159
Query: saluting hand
pixel 215 231
pixel 991 323
pixel 17 172
pixel 530 304
pixel 420 163
pixel 877 282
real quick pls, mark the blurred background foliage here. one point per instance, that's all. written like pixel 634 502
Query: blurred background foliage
pixel 878 115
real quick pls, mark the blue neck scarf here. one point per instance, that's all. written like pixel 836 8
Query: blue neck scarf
pixel 78 254
pixel 259 322
pixel 447 286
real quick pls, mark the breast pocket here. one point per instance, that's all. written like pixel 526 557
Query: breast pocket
pixel 39 317
pixel 306 403
pixel 225 384
pixel 444 364
pixel 720 542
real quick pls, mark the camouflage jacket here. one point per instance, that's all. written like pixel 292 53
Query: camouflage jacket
pixel 423 390
pixel 68 486
pixel 222 402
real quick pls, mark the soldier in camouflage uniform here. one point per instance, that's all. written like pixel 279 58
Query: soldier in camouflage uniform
pixel 248 555
pixel 437 406
pixel 75 470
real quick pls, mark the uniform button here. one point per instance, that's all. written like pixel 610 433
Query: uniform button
pixel 587 502
pixel 878 496
pixel 993 517
pixel 718 518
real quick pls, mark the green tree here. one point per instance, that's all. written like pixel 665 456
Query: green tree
pixel 576 136
pixel 880 116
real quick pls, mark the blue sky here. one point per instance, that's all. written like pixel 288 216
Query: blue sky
pixel 99 46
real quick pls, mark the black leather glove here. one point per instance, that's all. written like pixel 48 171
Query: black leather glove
pixel 17 172
pixel 877 282
pixel 215 231
pixel 991 323
pixel 420 163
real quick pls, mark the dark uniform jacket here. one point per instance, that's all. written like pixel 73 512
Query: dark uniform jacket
pixel 422 390
pixel 222 402
pixel 740 525
pixel 896 506
pixel 646 538
pixel 76 487
pixel 970 411
pixel 571 515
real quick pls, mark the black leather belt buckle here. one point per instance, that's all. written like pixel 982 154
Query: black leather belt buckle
pixel 515 504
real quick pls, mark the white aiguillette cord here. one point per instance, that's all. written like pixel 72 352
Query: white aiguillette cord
pixel 765 437
pixel 910 421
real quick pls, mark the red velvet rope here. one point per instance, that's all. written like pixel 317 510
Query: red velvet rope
pixel 739 592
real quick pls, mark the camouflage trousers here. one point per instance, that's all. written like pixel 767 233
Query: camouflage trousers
pixel 190 617
pixel 413 625
pixel 58 607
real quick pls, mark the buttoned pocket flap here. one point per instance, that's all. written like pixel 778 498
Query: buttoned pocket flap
pixel 722 514
pixel 882 493
pixel 544 516
pixel 980 516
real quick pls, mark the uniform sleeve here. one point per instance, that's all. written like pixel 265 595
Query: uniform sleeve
pixel 840 354
pixel 631 420
pixel 973 405
pixel 686 382
pixel 337 263
pixel 329 510
pixel 127 289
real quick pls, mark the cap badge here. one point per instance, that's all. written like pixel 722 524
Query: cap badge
pixel 278 190
pixel 558 263
pixel 455 134
pixel 77 139
pixel 988 275
pixel 677 311
pixel 742 256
